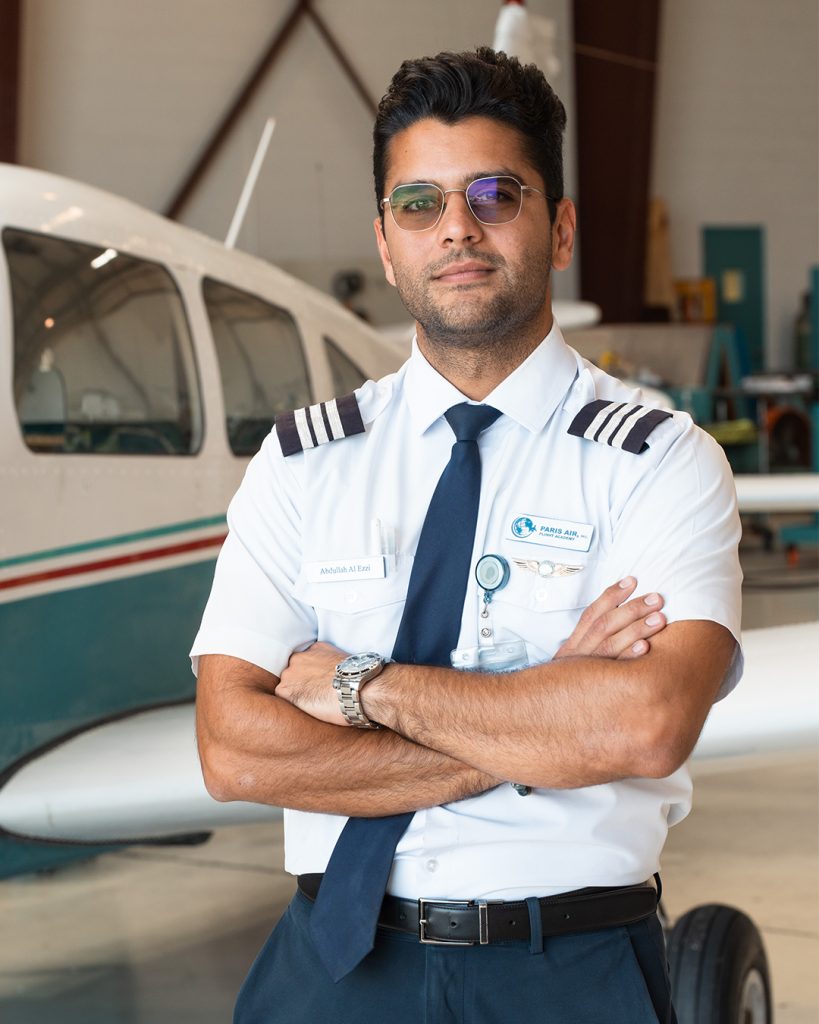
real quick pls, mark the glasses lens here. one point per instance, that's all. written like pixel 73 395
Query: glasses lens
pixel 494 200
pixel 416 207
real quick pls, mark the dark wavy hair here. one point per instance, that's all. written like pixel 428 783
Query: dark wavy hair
pixel 487 83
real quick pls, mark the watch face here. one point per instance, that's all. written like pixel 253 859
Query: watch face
pixel 360 663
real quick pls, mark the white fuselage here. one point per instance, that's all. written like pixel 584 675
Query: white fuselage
pixel 141 363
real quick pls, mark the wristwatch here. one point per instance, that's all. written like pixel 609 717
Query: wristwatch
pixel 351 674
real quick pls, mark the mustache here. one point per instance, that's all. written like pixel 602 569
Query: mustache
pixel 491 259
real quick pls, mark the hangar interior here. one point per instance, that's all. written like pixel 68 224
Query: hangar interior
pixel 692 149
pixel 126 99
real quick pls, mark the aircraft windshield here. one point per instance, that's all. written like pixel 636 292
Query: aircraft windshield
pixel 103 358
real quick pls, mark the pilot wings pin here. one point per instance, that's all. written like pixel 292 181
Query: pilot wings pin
pixel 547 568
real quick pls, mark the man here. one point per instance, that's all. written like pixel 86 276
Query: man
pixel 554 763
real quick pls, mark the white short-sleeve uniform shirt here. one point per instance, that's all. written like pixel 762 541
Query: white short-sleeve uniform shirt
pixel 667 516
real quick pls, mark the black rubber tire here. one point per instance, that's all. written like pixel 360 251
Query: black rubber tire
pixel 716 960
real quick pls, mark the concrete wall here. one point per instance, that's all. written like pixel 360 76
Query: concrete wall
pixel 737 138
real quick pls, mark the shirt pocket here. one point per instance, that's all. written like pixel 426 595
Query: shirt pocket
pixel 350 597
pixel 359 614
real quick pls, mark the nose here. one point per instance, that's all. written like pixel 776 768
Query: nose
pixel 457 223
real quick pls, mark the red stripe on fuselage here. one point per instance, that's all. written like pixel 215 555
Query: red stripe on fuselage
pixel 111 563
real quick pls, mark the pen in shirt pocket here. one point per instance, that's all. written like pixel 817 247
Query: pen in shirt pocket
pixel 382 542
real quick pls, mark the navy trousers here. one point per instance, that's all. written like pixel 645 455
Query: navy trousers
pixel 614 976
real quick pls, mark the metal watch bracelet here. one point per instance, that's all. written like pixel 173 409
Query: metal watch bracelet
pixel 351 674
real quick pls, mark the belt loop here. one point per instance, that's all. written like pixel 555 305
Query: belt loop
pixel 535 925
pixel 659 882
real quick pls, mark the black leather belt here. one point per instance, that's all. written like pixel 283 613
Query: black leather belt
pixel 479 922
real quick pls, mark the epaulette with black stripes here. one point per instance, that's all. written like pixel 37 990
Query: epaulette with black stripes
pixel 318 424
pixel 619 424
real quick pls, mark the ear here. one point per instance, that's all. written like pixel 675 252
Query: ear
pixel 383 251
pixel 563 232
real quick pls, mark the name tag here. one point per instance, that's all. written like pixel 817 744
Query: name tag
pixel 552 533
pixel 346 569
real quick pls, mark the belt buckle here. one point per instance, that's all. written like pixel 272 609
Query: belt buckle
pixel 422 922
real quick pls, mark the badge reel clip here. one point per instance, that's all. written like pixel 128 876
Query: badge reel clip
pixel 492 574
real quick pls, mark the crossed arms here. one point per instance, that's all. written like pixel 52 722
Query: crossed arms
pixel 613 704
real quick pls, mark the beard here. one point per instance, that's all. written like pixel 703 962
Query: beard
pixel 470 321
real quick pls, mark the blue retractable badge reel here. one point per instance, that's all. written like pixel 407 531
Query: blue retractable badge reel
pixel 492 573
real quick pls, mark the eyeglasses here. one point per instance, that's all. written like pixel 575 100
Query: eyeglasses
pixel 495 200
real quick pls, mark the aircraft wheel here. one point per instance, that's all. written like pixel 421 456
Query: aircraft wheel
pixel 719 971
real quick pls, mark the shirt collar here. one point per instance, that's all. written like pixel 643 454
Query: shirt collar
pixel 529 395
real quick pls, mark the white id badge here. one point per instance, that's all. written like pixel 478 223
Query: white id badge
pixel 503 657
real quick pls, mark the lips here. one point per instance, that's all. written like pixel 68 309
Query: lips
pixel 471 270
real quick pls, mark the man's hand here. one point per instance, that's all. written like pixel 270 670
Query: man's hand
pixel 612 627
pixel 307 682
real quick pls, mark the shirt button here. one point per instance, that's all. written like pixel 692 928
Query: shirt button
pixel 351 597
pixel 541 594
pixel 432 865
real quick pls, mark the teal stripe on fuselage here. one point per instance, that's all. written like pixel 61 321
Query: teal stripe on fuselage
pixel 110 542
pixel 24 856
pixel 77 656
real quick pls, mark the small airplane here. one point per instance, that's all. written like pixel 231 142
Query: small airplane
pixel 141 364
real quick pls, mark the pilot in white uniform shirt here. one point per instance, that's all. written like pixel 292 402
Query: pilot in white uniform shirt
pixel 569 515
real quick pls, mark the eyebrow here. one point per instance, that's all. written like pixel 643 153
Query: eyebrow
pixel 467 179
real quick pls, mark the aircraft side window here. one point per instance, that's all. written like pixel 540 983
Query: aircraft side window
pixel 261 361
pixel 347 376
pixel 103 357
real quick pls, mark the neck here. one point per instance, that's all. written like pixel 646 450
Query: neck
pixel 476 372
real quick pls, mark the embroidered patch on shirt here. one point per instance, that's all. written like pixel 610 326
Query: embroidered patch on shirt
pixel 617 424
pixel 318 424
pixel 553 533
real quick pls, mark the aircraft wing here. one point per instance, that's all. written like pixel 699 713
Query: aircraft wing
pixel 138 777
pixel 776 704
pixel 132 779
pixel 783 492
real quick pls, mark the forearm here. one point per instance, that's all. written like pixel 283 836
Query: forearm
pixel 256 747
pixel 577 722
pixel 558 725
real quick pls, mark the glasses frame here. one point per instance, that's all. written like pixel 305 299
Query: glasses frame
pixel 446 191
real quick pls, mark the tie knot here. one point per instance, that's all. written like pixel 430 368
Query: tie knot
pixel 468 421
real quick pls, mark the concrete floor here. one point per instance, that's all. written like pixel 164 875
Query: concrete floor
pixel 154 935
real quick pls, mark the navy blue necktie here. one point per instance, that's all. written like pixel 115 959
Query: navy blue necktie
pixel 345 915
